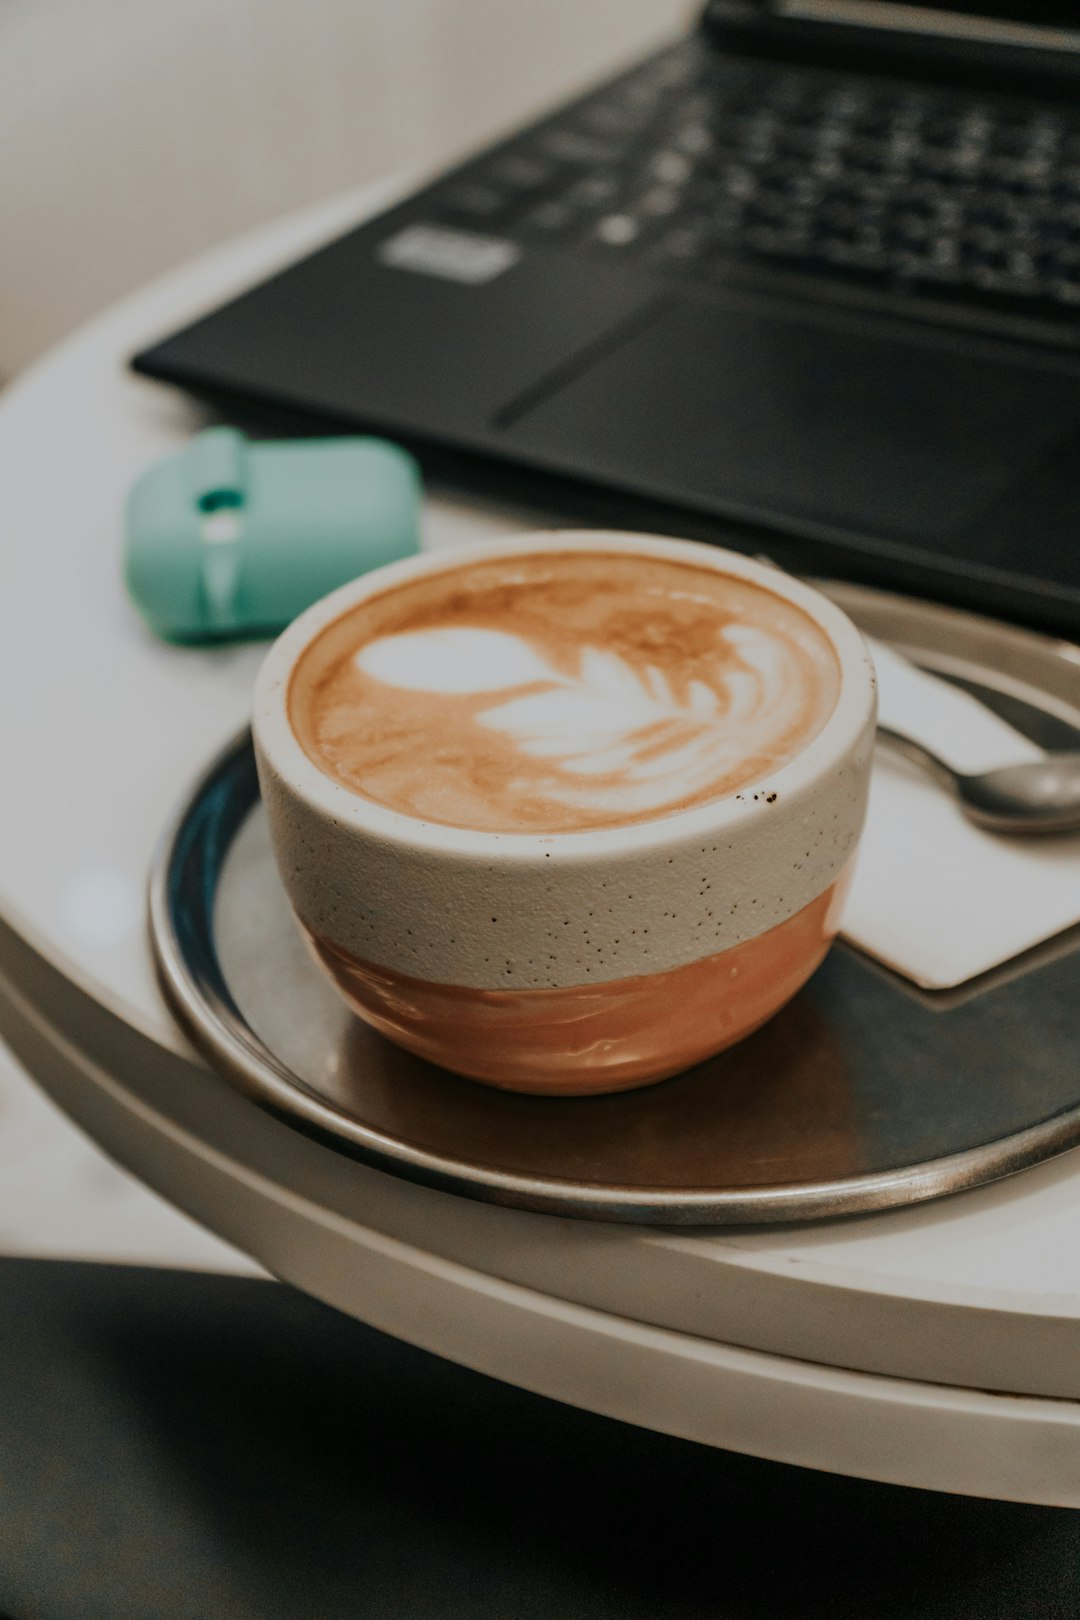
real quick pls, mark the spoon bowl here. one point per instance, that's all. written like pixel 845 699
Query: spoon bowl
pixel 1039 796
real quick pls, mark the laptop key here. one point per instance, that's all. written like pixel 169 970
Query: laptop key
pixel 671 168
pixel 552 218
pixel 593 191
pixel 617 230
pixel 659 201
pixel 694 139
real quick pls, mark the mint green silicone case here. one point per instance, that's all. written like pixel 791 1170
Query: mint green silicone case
pixel 231 538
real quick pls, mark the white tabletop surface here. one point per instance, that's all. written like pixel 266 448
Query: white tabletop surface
pixel 103 728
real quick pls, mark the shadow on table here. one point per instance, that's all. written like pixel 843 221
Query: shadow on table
pixel 182 1445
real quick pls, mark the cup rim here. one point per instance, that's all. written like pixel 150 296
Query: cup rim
pixel 282 752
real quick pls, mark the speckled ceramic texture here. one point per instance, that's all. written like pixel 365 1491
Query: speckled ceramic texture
pixel 526 911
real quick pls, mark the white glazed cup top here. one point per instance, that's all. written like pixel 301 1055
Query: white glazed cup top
pixel 516 911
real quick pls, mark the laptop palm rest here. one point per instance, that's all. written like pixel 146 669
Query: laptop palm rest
pixel 352 334
pixel 763 409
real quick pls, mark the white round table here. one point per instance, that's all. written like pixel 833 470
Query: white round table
pixel 937 1346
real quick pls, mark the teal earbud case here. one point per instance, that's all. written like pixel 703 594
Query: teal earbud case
pixel 231 538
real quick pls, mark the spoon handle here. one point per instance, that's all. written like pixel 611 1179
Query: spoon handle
pixel 918 753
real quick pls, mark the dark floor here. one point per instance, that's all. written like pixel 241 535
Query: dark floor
pixel 189 1446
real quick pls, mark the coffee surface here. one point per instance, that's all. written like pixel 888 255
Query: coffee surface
pixel 561 691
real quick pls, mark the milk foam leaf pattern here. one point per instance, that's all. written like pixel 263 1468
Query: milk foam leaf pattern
pixel 650 745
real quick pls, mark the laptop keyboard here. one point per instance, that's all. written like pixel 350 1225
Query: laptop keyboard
pixel 696 165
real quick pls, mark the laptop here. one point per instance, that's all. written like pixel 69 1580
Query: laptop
pixel 805 281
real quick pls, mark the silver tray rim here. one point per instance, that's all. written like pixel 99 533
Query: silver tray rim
pixel 220 1032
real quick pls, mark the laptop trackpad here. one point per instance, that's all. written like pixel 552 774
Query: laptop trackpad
pixel 809 416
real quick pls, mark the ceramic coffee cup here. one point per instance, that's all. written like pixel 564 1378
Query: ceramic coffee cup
pixel 584 960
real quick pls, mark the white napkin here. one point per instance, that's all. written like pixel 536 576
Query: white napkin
pixel 935 897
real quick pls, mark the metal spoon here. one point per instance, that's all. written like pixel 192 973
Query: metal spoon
pixel 1042 795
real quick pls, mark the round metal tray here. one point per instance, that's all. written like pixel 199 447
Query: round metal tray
pixel 862 1094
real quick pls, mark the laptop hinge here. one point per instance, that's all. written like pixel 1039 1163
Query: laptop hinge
pixel 904 38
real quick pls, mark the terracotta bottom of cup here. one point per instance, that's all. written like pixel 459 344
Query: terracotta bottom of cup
pixel 593 1038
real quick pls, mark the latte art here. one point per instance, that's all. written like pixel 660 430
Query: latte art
pixel 616 742
pixel 562 692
